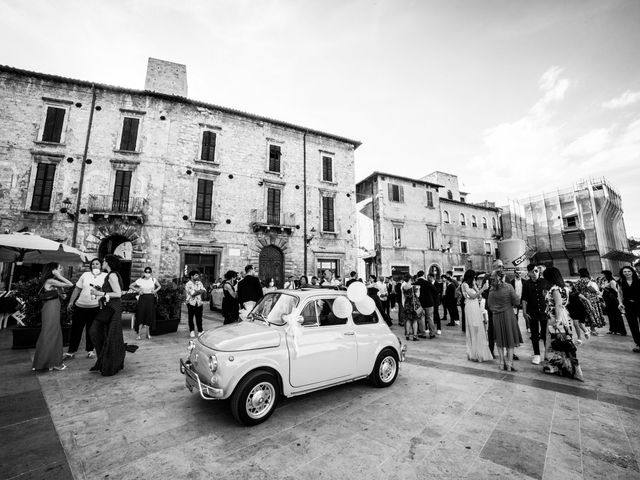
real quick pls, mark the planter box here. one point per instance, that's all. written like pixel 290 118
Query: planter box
pixel 166 326
pixel 27 337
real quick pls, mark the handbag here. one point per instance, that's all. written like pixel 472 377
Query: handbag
pixel 46 295
pixel 104 315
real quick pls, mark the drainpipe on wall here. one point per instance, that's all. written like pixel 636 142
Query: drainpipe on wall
pixel 304 197
pixel 76 218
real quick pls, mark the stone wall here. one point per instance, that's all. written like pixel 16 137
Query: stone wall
pixel 165 169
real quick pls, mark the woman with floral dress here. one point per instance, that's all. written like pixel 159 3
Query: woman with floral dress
pixel 561 330
pixel 409 308
pixel 589 289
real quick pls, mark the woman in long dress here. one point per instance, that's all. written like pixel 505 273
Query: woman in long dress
pixel 48 354
pixel 561 329
pixel 147 287
pixel 107 336
pixel 477 345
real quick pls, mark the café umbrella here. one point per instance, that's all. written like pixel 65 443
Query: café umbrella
pixel 19 248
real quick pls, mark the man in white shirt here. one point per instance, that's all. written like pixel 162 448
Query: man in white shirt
pixel 194 290
pixel 84 308
pixel 516 283
pixel 329 281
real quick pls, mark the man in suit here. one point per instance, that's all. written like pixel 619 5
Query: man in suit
pixel 449 300
pixel 426 298
pixel 249 289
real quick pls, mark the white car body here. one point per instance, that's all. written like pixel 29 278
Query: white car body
pixel 302 356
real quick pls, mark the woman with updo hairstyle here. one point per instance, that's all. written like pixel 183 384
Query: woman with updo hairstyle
pixel 477 345
pixel 230 305
pixel 501 301
pixel 106 330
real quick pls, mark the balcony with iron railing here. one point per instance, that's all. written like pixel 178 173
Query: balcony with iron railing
pixel 278 222
pixel 108 206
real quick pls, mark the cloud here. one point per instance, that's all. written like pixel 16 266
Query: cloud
pixel 624 100
pixel 591 143
pixel 538 153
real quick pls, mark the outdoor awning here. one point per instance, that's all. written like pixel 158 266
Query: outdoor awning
pixel 620 256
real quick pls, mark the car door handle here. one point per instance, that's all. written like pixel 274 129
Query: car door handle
pixel 349 333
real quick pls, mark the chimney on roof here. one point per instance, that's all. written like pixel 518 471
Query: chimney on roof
pixel 166 77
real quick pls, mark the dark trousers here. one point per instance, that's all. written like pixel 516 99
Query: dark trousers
pixel 452 308
pixel 632 312
pixel 193 311
pixel 436 316
pixel 463 323
pixel 490 333
pixel 538 326
pixel 81 320
pixel 385 307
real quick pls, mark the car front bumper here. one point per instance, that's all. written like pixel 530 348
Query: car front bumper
pixel 192 380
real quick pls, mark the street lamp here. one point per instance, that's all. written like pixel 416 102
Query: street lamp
pixel 66 208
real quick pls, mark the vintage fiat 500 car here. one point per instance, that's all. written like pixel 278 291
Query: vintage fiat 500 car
pixel 294 342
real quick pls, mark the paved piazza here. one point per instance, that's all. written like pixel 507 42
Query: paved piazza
pixel 444 417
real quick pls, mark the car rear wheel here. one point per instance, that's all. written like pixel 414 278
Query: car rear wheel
pixel 385 370
pixel 255 398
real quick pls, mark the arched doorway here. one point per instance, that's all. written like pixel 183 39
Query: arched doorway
pixel 271 265
pixel 122 247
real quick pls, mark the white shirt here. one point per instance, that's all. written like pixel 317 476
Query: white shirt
pixel 84 283
pixel 192 287
pixel 517 285
pixel 146 285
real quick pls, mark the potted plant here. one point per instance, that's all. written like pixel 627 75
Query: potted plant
pixel 26 336
pixel 168 308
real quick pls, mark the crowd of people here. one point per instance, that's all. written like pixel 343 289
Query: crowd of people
pixel 559 315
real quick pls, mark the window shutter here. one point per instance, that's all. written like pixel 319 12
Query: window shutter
pixel 121 191
pixel 390 185
pixel 401 190
pixel 327 214
pixel 204 197
pixel 274 158
pixel 43 187
pixel 129 134
pixel 208 146
pixel 273 206
pixel 53 125
pixel 327 169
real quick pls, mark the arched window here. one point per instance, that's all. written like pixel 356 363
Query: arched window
pixel 463 220
pixel 445 216
pixel 484 222
pixel 449 194
pixel 494 226
pixel 474 221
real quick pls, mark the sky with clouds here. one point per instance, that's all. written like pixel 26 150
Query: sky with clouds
pixel 516 97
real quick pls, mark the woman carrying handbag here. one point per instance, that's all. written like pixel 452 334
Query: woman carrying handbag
pixel 48 354
pixel 106 331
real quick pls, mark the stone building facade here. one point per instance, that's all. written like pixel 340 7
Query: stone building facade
pixel 399 225
pixel 577 226
pixel 169 182
pixel 408 224
pixel 470 231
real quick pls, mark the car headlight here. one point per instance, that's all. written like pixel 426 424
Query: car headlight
pixel 213 363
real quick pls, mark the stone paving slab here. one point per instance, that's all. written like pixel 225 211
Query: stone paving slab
pixel 444 418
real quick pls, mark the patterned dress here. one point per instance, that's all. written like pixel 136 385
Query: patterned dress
pixel 560 339
pixel 595 316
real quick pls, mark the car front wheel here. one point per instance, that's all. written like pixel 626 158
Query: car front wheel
pixel 385 370
pixel 255 398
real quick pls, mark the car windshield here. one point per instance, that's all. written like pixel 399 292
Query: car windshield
pixel 273 306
